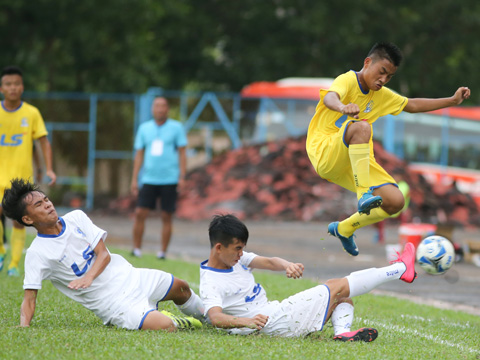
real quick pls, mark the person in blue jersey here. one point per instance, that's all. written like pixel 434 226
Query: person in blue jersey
pixel 234 301
pixel 21 125
pixel 160 146
pixel 70 251
pixel 339 139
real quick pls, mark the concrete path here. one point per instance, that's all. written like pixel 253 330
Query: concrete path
pixel 322 255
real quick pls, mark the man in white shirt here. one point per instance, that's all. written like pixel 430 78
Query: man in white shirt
pixel 70 252
pixel 233 300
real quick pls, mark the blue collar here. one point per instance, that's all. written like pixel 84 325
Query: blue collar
pixel 360 85
pixel 4 108
pixel 54 236
pixel 204 267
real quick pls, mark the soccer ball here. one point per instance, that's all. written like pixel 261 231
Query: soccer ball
pixel 435 254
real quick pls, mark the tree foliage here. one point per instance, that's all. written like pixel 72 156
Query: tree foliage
pixel 130 45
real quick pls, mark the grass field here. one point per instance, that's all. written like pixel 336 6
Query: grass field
pixel 62 329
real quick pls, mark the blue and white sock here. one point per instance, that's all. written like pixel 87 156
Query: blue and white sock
pixel 342 318
pixel 364 281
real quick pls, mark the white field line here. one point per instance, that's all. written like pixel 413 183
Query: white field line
pixel 464 326
pixel 432 302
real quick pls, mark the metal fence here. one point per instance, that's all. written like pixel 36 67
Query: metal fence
pixel 92 134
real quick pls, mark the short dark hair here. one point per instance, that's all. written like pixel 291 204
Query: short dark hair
pixel 13 202
pixel 224 228
pixel 386 50
pixel 11 70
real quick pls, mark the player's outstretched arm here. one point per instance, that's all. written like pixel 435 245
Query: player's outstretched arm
pixel 416 105
pixel 292 270
pixel 221 320
pixel 28 307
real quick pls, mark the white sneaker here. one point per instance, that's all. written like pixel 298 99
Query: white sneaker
pixel 161 255
pixel 137 252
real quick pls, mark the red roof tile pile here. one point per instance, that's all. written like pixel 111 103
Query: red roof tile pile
pixel 276 181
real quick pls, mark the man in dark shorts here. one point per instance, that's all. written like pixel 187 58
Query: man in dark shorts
pixel 160 147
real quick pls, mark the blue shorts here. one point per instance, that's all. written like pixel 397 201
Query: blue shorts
pixel 149 194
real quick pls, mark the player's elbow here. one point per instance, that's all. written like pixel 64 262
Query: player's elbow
pixel 330 99
pixel 413 106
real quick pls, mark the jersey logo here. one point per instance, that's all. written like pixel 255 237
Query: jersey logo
pixel 256 291
pixel 14 140
pixel 78 230
pixel 369 107
pixel 88 255
pixel 24 122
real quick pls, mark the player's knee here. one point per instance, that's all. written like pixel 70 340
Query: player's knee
pixel 394 204
pixel 158 321
pixel 400 204
pixel 141 214
pixel 180 291
pixel 363 125
pixel 166 216
pixel 338 289
pixel 358 132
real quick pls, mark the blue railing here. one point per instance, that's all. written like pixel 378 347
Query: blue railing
pixel 405 135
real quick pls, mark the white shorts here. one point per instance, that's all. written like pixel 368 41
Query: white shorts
pixel 152 287
pixel 299 314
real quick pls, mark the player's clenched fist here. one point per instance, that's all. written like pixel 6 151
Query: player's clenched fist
pixel 294 270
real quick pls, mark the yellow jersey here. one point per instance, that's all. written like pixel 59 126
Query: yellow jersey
pixel 372 104
pixel 18 129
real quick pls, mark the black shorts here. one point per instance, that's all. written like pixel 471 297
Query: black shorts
pixel 149 194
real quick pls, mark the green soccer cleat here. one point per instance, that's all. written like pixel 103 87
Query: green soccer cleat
pixel 183 322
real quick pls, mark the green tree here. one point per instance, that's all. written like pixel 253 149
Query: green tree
pixel 130 45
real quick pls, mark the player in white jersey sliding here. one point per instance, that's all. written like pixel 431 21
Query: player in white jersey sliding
pixel 70 252
pixel 234 300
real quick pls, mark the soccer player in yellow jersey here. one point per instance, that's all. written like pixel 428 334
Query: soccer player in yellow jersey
pixel 20 125
pixel 339 139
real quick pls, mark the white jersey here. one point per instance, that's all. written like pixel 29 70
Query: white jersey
pixel 65 257
pixel 236 292
pixel 234 289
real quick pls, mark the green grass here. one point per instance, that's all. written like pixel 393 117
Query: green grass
pixel 62 329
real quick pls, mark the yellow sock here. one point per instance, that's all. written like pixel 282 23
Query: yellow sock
pixel 2 248
pixel 18 243
pixel 348 226
pixel 360 161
